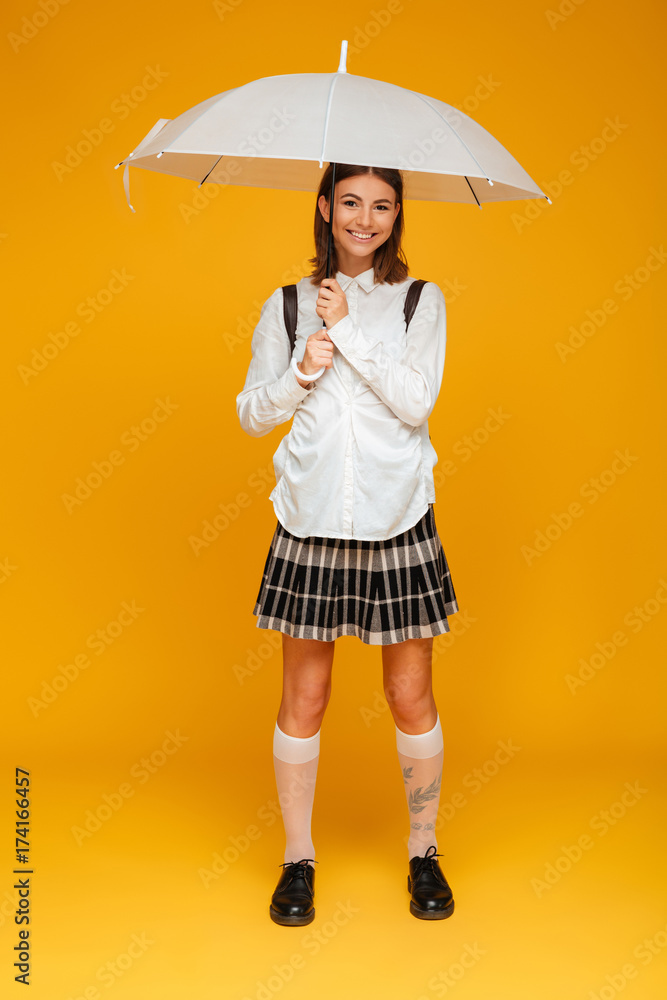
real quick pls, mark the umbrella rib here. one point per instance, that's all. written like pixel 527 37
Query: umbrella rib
pixel 211 170
pixel 450 126
pixel 208 102
pixel 473 191
pixel 326 117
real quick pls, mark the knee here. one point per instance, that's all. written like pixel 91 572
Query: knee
pixel 409 707
pixel 303 710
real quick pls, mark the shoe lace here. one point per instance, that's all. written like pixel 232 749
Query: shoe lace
pixel 297 869
pixel 429 864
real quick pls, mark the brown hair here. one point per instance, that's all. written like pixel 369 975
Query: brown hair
pixel 389 262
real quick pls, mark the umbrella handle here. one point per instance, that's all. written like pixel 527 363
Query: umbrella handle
pixel 331 209
pixel 330 238
pixel 341 69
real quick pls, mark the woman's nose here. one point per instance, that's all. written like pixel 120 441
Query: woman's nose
pixel 364 220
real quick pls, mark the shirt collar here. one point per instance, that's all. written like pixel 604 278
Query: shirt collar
pixel 365 279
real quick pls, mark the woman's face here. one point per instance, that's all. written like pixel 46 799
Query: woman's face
pixel 365 208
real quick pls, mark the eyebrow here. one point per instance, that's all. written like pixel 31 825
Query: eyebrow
pixel 359 198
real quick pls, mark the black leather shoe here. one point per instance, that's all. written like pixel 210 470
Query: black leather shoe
pixel 431 897
pixel 293 901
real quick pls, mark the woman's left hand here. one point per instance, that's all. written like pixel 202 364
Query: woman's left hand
pixel 331 302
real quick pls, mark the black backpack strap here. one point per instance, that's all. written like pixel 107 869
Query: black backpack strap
pixel 290 313
pixel 412 298
pixel 291 306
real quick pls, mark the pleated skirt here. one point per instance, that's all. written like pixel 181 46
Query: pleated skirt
pixel 381 591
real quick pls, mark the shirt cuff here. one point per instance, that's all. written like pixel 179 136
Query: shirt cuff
pixel 353 344
pixel 286 392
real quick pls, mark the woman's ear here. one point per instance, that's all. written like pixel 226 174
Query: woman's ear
pixel 323 206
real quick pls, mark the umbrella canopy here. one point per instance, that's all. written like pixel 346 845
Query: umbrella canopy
pixel 277 132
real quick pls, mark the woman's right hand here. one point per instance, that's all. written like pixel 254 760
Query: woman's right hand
pixel 318 352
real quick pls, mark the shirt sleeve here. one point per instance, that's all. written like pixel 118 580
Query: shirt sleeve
pixel 272 391
pixel 410 386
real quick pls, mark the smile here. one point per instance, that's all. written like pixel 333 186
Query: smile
pixel 361 236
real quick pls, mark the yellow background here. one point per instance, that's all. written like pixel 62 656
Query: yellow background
pixel 192 664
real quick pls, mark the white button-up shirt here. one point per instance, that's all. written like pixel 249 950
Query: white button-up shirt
pixel 358 461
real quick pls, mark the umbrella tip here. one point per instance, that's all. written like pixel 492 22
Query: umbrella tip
pixel 342 68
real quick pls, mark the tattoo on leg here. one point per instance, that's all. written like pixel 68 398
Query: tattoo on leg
pixel 417 799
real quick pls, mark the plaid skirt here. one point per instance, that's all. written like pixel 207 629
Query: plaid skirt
pixel 381 591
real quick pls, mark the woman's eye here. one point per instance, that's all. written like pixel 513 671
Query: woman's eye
pixel 349 203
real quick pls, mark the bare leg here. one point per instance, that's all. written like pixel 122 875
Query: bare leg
pixel 307 666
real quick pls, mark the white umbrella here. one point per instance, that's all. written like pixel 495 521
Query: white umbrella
pixel 278 132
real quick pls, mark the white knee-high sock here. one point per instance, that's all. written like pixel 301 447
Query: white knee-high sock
pixel 295 762
pixel 421 757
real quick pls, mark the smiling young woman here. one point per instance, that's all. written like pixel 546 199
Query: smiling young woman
pixel 355 550
pixel 354 207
